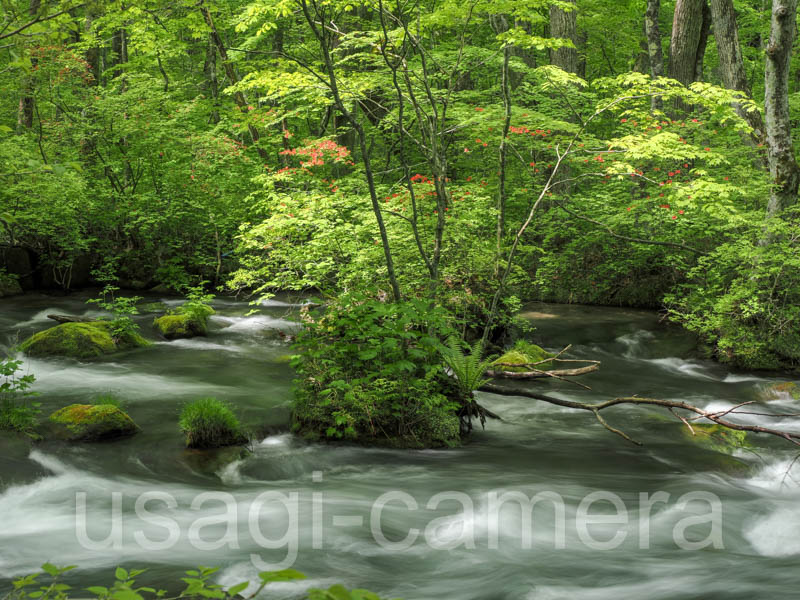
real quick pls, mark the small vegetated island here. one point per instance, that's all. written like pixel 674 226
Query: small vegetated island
pixel 417 172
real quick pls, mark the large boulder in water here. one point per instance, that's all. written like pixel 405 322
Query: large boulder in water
pixel 79 340
pixel 178 326
pixel 92 422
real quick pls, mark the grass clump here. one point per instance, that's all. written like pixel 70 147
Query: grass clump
pixel 210 423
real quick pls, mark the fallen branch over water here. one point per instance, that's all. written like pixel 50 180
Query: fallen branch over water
pixel 541 373
pixel 671 405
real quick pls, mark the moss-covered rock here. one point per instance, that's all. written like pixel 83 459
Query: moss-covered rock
pixel 785 390
pixel 716 437
pixel 92 422
pixel 178 326
pixel 523 353
pixel 80 340
pixel 9 287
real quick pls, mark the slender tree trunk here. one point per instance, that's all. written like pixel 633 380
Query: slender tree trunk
pixel 705 29
pixel 238 97
pixel 213 83
pixel 783 166
pixel 731 64
pixel 562 26
pixel 641 63
pixel 654 51
pixel 27 100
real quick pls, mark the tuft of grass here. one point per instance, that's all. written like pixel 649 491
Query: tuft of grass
pixel 210 423
pixel 107 399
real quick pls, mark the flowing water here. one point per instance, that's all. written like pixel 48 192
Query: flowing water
pixel 465 546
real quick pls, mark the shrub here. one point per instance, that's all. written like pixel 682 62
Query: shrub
pixel 210 423
pixel 17 412
pixel 371 371
pixel 47 585
pixel 122 326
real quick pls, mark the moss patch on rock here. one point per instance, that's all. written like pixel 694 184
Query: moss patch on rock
pixel 92 422
pixel 178 326
pixel 716 437
pixel 79 340
pixel 781 390
pixel 524 353
pixel 9 286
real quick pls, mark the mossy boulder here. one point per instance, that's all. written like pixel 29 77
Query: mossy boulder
pixel 782 390
pixel 92 422
pixel 80 340
pixel 9 287
pixel 176 326
pixel 524 353
pixel 187 321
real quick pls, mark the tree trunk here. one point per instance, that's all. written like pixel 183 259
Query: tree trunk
pixel 562 26
pixel 783 167
pixel 654 51
pixel 213 84
pixel 705 28
pixel 26 100
pixel 641 63
pixel 238 97
pixel 731 64
pixel 686 41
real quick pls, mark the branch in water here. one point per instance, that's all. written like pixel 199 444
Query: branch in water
pixel 671 405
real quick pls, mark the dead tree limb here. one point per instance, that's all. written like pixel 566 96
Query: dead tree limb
pixel 671 405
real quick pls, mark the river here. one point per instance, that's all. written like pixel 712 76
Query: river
pixel 328 524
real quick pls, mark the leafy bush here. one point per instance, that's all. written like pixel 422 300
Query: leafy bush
pixel 48 585
pixel 371 371
pixel 198 303
pixel 210 423
pixel 17 412
pixel 743 299
pixel 122 307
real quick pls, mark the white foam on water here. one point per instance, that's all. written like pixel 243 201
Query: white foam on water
pixel 682 366
pixel 735 378
pixel 65 376
pixel 273 441
pixel 200 344
pixel 253 323
pixel 635 342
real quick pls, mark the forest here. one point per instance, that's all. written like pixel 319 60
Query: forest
pixel 534 247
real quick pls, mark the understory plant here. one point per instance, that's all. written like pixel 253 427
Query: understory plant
pixel 122 307
pixel 210 423
pixel 17 410
pixel 743 299
pixel 48 584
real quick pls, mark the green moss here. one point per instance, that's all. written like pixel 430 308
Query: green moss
pixel 786 388
pixel 524 353
pixel 716 437
pixel 79 340
pixel 177 326
pixel 92 422
pixel 9 287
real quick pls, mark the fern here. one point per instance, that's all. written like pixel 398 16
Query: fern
pixel 468 369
